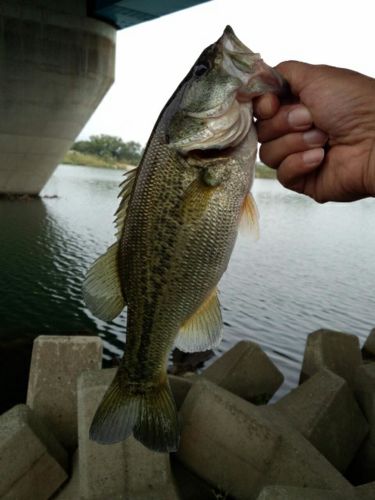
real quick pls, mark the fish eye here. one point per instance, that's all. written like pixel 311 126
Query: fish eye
pixel 200 69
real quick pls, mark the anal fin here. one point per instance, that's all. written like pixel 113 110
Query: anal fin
pixel 203 330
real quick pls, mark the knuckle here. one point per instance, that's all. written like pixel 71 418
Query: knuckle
pixel 281 176
pixel 317 197
pixel 266 156
pixel 288 173
pixel 264 130
pixel 275 126
pixel 281 149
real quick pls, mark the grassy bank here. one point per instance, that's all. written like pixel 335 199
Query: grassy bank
pixel 263 172
pixel 76 158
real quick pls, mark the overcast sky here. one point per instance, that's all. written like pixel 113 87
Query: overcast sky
pixel 153 57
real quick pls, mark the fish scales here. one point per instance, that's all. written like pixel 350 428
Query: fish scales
pixel 182 210
pixel 154 230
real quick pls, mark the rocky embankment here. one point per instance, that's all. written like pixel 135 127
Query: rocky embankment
pixel 316 443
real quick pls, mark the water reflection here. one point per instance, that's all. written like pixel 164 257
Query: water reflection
pixel 312 266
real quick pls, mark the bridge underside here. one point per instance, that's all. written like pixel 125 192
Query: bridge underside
pixel 55 68
pixel 56 65
pixel 125 13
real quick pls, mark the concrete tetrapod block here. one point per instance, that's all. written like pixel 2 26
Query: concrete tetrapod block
pixel 122 470
pixel 364 390
pixel 366 491
pixel 293 493
pixel 336 351
pixel 56 363
pixel 368 349
pixel 180 386
pixel 70 490
pixel 190 486
pixel 31 459
pixel 324 410
pixel 239 448
pixel 247 371
pixel 362 470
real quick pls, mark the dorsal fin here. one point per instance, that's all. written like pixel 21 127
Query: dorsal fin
pixel 249 222
pixel 203 330
pixel 126 190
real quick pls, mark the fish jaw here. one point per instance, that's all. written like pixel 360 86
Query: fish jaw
pixel 256 76
pixel 215 111
pixel 262 80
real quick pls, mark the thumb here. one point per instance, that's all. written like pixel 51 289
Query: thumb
pixel 297 74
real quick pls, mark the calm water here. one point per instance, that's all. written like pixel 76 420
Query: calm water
pixel 312 267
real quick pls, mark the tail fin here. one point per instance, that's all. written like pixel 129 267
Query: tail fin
pixel 150 413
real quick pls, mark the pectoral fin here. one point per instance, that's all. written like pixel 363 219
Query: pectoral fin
pixel 196 200
pixel 249 222
pixel 102 287
pixel 203 330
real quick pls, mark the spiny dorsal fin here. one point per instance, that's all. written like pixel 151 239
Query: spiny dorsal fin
pixel 102 287
pixel 249 222
pixel 126 190
pixel 203 330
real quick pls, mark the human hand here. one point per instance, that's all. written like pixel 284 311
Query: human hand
pixel 323 144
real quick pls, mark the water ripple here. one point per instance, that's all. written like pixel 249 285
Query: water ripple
pixel 313 267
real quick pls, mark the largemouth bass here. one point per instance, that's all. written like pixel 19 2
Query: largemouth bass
pixel 177 223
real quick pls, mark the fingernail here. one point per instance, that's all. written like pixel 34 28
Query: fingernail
pixel 314 138
pixel 313 157
pixel 299 117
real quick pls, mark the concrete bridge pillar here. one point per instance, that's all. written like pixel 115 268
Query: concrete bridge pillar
pixel 56 64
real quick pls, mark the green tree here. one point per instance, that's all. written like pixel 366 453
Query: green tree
pixel 130 151
pixel 81 147
pixel 110 147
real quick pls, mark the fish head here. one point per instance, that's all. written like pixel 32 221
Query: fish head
pixel 215 108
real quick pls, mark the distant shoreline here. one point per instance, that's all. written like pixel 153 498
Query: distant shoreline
pixel 86 160
pixel 264 172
